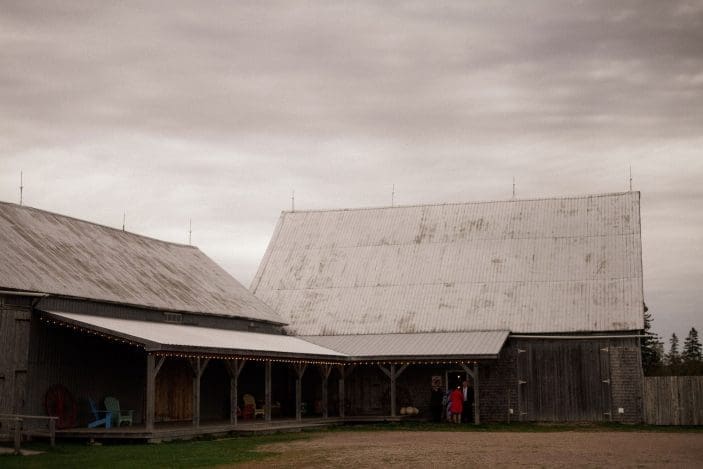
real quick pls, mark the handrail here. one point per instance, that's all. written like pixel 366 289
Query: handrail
pixel 19 418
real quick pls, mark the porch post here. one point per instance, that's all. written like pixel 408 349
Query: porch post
pixel 474 376
pixel 393 375
pixel 325 372
pixel 153 365
pixel 198 365
pixel 340 390
pixel 234 369
pixel 477 418
pixel 267 392
pixel 299 370
pixel 392 390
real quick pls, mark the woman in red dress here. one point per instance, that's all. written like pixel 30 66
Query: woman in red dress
pixel 456 399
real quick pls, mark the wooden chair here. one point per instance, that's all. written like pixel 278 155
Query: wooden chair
pixel 250 401
pixel 118 416
pixel 100 417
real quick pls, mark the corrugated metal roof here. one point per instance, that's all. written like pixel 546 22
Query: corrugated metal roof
pixel 478 344
pixel 46 252
pixel 528 266
pixel 157 333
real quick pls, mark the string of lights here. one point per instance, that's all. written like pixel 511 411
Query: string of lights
pixel 263 359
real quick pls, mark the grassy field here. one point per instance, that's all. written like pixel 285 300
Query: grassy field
pixel 208 453
pixel 200 453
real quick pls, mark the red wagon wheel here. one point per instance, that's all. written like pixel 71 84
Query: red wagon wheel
pixel 59 402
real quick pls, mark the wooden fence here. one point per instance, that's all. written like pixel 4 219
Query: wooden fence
pixel 673 400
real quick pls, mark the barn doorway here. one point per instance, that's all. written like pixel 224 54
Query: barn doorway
pixel 454 378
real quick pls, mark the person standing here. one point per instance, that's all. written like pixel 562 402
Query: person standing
pixel 467 391
pixel 456 399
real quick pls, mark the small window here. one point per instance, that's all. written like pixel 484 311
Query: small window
pixel 173 317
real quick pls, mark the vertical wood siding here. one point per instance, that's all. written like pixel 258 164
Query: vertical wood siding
pixel 14 352
pixel 673 400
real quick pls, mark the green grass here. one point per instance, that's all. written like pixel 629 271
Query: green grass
pixel 200 453
pixel 208 453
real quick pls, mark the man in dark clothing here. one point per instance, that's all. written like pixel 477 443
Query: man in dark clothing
pixel 467 415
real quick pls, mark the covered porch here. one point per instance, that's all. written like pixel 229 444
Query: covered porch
pixel 182 381
pixel 192 375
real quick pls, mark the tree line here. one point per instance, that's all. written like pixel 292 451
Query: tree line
pixel 677 361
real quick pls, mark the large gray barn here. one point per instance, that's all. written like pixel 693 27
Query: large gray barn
pixel 543 296
pixel 353 313
pixel 103 312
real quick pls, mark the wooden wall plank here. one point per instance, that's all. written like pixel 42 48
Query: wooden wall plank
pixel 673 400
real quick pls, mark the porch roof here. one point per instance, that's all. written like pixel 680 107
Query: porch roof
pixel 166 337
pixel 428 345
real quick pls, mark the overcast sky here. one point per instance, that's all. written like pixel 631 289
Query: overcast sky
pixel 216 111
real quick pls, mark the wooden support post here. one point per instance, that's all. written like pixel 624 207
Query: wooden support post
pixel 153 365
pixel 198 365
pixel 267 391
pixel 340 390
pixel 474 377
pixel 234 368
pixel 343 373
pixel 196 392
pixel 299 371
pixel 393 375
pixel 393 378
pixel 52 431
pixel 325 374
pixel 477 416
pixel 18 435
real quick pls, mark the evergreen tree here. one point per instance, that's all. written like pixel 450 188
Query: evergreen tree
pixel 673 359
pixel 659 347
pixel 651 352
pixel 692 347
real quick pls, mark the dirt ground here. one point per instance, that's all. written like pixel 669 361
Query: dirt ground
pixel 490 449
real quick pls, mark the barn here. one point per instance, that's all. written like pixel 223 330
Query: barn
pixel 89 312
pixel 353 314
pixel 538 303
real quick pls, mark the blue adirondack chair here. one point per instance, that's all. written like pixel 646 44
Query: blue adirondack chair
pixel 100 417
pixel 118 416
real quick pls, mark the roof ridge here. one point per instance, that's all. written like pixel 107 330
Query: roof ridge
pixel 477 202
pixel 112 228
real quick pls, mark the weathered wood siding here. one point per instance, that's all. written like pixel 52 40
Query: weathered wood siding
pixel 88 366
pixel 673 400
pixel 563 380
pixel 113 310
pixel 14 353
pixel 174 391
pixel 579 380
pixel 556 380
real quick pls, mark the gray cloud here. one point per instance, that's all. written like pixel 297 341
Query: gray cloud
pixel 216 112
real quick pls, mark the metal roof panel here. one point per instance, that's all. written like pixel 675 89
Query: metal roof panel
pixel 530 266
pixel 442 344
pixel 200 337
pixel 56 254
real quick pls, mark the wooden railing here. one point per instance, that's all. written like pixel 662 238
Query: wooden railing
pixel 17 428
